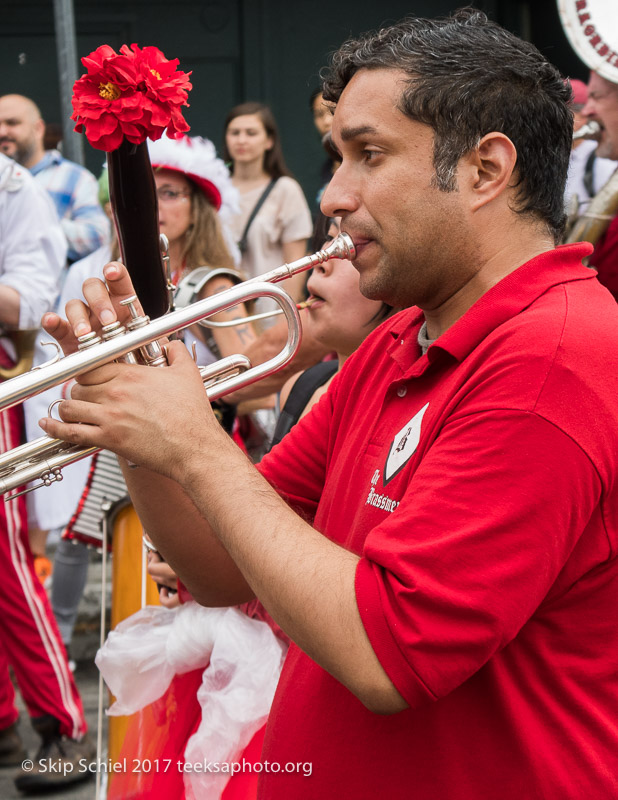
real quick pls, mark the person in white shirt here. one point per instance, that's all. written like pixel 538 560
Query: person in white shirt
pixel 587 172
pixel 32 252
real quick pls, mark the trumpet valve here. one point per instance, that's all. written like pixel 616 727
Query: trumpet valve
pixel 88 340
pixel 137 320
pixel 152 353
pixel 112 330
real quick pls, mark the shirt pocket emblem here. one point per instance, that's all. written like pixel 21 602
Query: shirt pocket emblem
pixel 403 446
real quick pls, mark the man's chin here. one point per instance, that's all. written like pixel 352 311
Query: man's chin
pixel 375 289
pixel 608 149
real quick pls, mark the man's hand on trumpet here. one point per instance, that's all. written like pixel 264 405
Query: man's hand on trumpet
pixel 152 417
pixel 104 307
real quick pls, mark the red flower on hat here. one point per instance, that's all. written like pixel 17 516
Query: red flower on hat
pixel 135 94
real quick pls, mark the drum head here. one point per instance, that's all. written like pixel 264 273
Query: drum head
pixel 591 27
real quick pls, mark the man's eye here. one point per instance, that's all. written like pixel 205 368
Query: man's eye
pixel 370 155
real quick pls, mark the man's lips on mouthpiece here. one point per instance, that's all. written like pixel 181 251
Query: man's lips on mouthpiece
pixel 361 244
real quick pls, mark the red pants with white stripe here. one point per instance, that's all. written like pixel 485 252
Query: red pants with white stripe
pixel 29 638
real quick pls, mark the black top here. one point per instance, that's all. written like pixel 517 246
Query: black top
pixel 302 391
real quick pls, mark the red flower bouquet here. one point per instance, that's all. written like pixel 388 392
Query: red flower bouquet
pixel 134 95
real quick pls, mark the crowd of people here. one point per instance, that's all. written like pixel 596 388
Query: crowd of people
pixel 431 538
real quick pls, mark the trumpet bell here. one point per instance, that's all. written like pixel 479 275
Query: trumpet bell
pixel 138 342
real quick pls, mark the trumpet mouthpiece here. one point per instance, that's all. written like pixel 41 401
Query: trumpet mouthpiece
pixel 341 247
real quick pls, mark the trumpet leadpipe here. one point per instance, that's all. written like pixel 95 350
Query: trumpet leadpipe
pixel 341 247
pixel 34 382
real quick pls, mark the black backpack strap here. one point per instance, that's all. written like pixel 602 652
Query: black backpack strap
pixel 302 391
pixel 589 174
pixel 242 244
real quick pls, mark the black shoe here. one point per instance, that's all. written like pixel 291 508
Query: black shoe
pixel 60 761
pixel 12 750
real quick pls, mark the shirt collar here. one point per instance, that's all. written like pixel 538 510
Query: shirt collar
pixel 502 302
pixel 50 157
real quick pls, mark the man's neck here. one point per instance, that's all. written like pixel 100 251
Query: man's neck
pixel 32 159
pixel 251 172
pixel 500 263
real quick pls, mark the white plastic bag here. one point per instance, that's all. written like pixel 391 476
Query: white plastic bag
pixel 244 658
pixel 236 694
pixel 144 652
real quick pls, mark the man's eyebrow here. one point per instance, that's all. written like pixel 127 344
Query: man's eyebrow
pixel 347 134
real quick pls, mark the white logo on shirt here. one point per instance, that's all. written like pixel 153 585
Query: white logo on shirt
pixel 403 446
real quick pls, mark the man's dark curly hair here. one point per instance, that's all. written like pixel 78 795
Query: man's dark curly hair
pixel 468 77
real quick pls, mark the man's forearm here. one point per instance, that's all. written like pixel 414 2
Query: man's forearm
pixel 305 581
pixel 267 346
pixel 9 306
pixel 184 539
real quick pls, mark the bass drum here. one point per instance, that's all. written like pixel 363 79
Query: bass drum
pixel 591 26
pixel 127 561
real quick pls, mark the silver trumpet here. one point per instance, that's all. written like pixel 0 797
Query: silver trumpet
pixel 590 130
pixel 43 459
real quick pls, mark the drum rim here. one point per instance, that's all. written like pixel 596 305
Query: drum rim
pixel 575 27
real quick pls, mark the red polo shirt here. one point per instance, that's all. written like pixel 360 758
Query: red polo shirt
pixel 479 485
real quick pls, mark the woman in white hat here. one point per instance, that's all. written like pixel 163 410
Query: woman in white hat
pixel 196 201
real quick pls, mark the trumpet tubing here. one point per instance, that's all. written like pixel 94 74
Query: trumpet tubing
pixel 590 130
pixel 44 458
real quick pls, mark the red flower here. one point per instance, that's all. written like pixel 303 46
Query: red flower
pixel 135 94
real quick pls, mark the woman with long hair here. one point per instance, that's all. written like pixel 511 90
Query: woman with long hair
pixel 274 223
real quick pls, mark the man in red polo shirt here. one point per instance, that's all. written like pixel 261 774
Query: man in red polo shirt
pixel 438 536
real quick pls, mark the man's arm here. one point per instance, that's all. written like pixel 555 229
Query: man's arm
pixel 303 580
pixel 9 307
pixel 161 420
pixel 266 346
pixel 185 540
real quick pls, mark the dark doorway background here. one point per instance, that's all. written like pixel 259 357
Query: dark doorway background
pixel 267 50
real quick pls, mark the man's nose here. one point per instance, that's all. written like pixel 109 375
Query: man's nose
pixel 589 109
pixel 341 195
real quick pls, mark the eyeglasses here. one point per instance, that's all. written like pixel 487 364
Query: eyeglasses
pixel 170 196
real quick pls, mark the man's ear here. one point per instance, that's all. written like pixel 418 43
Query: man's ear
pixel 39 129
pixel 491 164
